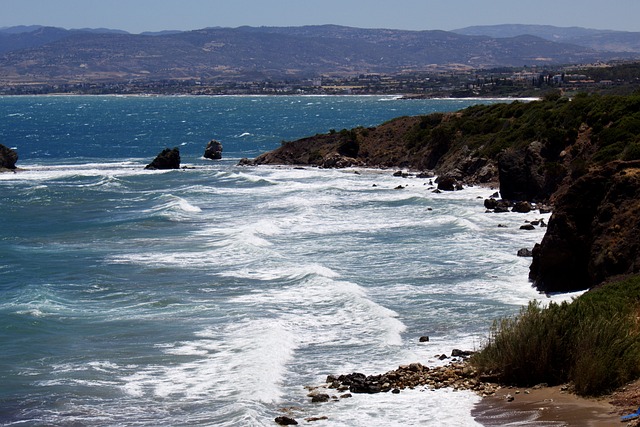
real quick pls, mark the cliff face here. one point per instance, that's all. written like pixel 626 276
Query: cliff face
pixel 581 156
pixel 390 145
pixel 594 232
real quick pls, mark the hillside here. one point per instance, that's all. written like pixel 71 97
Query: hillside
pixel 601 40
pixel 582 155
pixel 55 55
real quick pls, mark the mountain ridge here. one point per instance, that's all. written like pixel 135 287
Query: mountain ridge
pixel 606 40
pixel 55 55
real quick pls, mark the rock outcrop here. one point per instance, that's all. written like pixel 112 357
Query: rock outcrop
pixel 8 158
pixel 519 173
pixel 541 154
pixel 594 232
pixel 385 146
pixel 213 150
pixel 167 159
pixel 455 375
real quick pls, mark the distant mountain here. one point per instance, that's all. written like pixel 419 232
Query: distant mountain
pixel 161 33
pixel 13 39
pixel 99 30
pixel 26 37
pixel 55 55
pixel 601 40
pixel 20 29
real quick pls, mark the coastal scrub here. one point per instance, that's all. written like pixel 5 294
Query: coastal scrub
pixel 593 342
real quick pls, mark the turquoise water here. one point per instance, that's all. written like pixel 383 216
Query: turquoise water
pixel 214 295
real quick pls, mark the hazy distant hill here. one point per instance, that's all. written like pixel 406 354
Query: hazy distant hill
pixel 25 37
pixel 602 40
pixel 249 53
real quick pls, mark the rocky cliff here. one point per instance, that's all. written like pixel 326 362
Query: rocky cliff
pixel 390 145
pixel 594 232
pixel 580 155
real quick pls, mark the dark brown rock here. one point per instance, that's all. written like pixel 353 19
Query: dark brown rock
pixel 594 232
pixel 502 206
pixel 320 398
pixel 522 207
pixel 448 183
pixel 167 159
pixel 8 157
pixel 490 203
pixel 213 150
pixel 524 252
pixel 286 421
pixel 312 419
pixel 460 353
pixel 519 172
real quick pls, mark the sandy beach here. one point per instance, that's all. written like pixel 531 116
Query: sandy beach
pixel 546 406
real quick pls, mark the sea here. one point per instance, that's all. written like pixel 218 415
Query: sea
pixel 217 294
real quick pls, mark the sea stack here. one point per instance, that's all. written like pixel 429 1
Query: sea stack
pixel 213 150
pixel 8 158
pixel 167 159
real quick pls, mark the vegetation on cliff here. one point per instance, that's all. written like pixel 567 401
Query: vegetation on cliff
pixel 555 138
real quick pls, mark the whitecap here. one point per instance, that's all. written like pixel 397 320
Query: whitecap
pixel 244 362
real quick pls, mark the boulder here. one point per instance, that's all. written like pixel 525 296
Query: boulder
pixel 524 252
pixel 521 207
pixel 8 157
pixel 337 161
pixel 593 233
pixel 167 159
pixel 461 353
pixel 502 206
pixel 320 398
pixel 213 150
pixel 490 203
pixel 425 175
pixel 286 421
pixel 448 183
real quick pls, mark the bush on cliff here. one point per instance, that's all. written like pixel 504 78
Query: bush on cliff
pixel 593 342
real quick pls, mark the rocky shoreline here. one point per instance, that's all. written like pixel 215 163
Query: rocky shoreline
pixel 457 375
pixel 500 404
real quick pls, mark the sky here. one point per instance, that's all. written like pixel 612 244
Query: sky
pixel 137 16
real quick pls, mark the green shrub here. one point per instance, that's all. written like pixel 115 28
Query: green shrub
pixel 594 342
pixel 631 152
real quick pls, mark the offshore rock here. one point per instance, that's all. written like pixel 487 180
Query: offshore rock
pixel 525 252
pixel 8 157
pixel 593 233
pixel 286 421
pixel 213 150
pixel 167 159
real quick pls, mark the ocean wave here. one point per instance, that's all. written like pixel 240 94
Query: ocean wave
pixel 246 361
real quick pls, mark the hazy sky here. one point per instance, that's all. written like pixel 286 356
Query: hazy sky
pixel 152 15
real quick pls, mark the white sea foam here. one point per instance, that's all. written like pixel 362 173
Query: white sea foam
pixel 36 172
pixel 244 362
